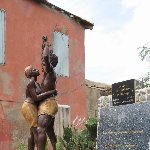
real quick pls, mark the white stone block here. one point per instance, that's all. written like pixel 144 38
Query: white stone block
pixel 143 98
pixel 148 90
pixel 137 97
pixel 148 97
pixel 143 91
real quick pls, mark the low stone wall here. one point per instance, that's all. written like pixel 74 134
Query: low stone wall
pixel 141 95
pixel 93 91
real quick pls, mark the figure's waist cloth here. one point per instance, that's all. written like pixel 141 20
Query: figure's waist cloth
pixel 29 111
pixel 48 106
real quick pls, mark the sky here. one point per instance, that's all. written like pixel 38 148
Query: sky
pixel 111 48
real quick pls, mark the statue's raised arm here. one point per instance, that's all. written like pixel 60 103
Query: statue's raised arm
pixel 49 62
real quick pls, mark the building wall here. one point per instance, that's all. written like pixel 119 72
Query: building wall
pixel 26 22
pixel 94 90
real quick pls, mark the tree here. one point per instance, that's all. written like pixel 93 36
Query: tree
pixel 144 54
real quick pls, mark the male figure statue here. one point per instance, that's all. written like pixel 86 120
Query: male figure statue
pixel 49 107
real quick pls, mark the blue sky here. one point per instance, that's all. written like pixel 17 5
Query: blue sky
pixel 111 14
pixel 120 27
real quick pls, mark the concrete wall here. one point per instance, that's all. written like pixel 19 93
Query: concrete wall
pixel 26 22
pixel 94 90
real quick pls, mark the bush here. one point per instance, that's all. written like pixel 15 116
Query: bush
pixel 25 147
pixel 76 139
pixel 22 147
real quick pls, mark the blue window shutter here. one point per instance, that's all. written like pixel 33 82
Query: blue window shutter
pixel 2 36
pixel 60 47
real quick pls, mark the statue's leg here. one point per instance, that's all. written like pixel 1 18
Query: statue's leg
pixel 51 133
pixel 43 121
pixel 34 131
pixel 31 143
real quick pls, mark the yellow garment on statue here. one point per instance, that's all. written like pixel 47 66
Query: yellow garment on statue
pixel 29 111
pixel 48 106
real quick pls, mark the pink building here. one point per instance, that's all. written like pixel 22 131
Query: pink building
pixel 22 25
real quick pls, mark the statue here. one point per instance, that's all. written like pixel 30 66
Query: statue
pixel 34 95
pixel 48 107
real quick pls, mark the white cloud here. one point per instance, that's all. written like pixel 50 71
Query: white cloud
pixel 117 50
pixel 113 56
pixel 131 3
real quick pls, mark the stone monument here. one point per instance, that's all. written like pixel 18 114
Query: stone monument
pixel 125 125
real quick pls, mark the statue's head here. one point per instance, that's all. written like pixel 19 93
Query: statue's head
pixel 53 59
pixel 30 71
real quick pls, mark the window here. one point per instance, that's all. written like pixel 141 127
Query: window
pixel 2 36
pixel 60 48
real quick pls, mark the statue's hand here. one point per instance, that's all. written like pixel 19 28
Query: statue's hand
pixel 44 38
pixel 54 93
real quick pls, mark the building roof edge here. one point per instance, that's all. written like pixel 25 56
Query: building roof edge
pixel 86 24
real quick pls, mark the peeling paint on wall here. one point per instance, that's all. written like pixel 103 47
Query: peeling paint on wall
pixel 25 7
pixel 5 136
pixel 1 112
pixel 6 79
pixel 22 88
pixel 16 127
pixel 78 67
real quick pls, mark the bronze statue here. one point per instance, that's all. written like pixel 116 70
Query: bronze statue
pixel 29 108
pixel 48 107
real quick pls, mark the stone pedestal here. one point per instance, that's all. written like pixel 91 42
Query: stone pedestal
pixel 124 127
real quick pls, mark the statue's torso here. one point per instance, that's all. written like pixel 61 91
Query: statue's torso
pixel 49 81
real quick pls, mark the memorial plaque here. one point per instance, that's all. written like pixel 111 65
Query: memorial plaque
pixel 124 92
pixel 125 127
